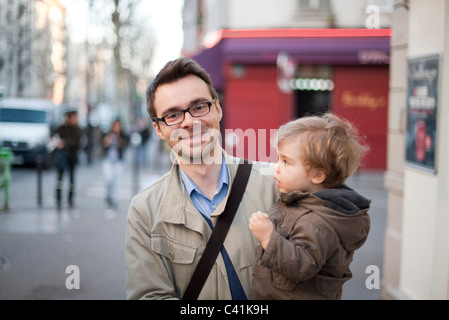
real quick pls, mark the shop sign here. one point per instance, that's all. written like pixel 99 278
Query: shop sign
pixel 363 99
pixel 312 84
pixel 373 57
pixel 286 68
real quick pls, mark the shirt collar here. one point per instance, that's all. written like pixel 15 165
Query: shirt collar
pixel 191 186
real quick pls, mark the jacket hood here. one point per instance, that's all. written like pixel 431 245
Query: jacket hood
pixel 343 208
pixel 344 199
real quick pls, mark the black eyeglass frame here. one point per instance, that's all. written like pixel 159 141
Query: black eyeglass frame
pixel 209 104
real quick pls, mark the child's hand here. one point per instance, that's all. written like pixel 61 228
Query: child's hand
pixel 262 227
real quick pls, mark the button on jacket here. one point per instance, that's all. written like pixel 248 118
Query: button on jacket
pixel 166 236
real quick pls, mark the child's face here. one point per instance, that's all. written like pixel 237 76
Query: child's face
pixel 290 172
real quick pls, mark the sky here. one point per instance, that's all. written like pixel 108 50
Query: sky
pixel 164 17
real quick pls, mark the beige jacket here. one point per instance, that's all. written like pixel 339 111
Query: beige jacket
pixel 166 236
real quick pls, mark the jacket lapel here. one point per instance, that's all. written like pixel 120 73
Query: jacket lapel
pixel 178 208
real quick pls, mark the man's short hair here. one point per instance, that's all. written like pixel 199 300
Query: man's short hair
pixel 175 70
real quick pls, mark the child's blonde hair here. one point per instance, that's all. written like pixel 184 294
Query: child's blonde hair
pixel 331 144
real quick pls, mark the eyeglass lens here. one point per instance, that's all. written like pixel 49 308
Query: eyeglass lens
pixel 195 111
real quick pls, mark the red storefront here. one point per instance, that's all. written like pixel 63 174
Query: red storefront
pixel 342 70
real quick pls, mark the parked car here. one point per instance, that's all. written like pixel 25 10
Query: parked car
pixel 25 127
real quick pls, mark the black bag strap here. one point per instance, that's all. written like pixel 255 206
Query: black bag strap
pixel 218 236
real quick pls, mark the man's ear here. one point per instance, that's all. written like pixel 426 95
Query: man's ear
pixel 158 130
pixel 318 176
pixel 219 110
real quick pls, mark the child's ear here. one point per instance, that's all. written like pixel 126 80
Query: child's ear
pixel 318 176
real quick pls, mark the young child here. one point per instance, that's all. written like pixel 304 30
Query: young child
pixel 309 236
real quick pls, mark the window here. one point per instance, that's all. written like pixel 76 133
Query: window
pixel 22 115
pixel 385 6
pixel 313 7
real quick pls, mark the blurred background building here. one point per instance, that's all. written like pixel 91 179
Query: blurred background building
pixel 416 251
pixel 273 62
pixel 98 73
pixel 33 41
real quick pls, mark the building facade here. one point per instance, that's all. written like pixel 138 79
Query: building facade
pixel 33 42
pixel 269 71
pixel 416 247
pixel 203 19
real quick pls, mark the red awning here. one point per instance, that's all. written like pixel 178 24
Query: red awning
pixel 305 46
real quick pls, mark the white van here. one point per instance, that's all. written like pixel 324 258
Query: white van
pixel 25 126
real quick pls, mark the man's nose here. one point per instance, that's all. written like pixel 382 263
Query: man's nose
pixel 188 120
pixel 191 124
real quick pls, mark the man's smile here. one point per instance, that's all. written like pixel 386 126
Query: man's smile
pixel 193 137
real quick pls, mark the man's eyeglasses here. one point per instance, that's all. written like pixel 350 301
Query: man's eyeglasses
pixel 196 111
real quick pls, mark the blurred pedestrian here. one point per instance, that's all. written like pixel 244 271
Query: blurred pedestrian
pixel 65 155
pixel 114 144
pixel 90 137
pixel 143 128
pixel 309 237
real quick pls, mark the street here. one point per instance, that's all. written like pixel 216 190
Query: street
pixel 37 244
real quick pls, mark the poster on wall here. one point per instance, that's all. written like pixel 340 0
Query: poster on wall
pixel 422 107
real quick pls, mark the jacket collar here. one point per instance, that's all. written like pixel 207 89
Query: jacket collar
pixel 178 208
pixel 294 197
pixel 190 186
pixel 342 199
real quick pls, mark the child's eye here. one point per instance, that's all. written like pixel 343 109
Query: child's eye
pixel 286 162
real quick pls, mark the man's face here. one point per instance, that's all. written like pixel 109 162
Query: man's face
pixel 193 138
pixel 73 119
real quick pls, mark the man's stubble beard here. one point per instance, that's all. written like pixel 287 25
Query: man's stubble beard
pixel 196 154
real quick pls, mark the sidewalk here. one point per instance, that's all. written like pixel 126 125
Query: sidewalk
pixel 371 185
pixel 37 244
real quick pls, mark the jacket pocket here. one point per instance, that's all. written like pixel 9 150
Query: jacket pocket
pixel 174 250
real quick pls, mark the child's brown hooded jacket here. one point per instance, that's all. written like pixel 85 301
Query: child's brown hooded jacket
pixel 309 253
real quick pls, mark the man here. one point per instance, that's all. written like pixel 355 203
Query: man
pixel 69 141
pixel 171 221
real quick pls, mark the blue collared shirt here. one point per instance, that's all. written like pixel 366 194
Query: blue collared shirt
pixel 206 206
